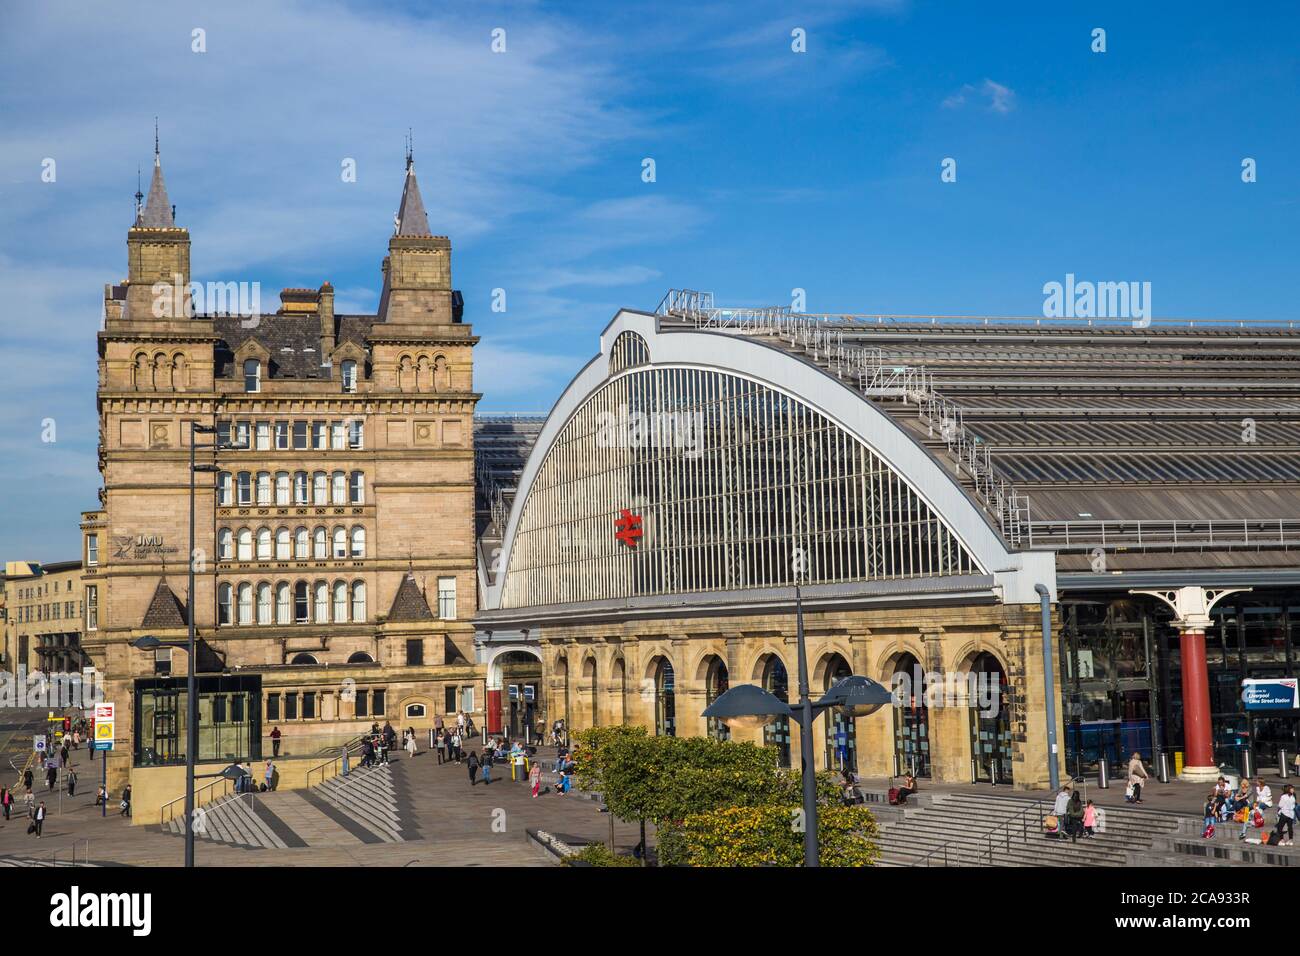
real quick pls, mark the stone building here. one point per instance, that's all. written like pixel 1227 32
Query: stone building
pixel 333 499
pixel 46 616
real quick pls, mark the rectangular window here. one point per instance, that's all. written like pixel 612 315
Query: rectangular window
pixel 449 698
pixel 309 705
pixel 363 703
pixel 245 488
pixel 263 436
pixel 377 698
pixel 225 489
pixel 92 550
pixel 356 433
pixel 447 598
pixel 223 433
pixel 290 706
pixel 281 435
pixel 357 488
pixel 272 707
pixel 467 699
pixel 92 607
pixel 219 709
pixel 414 652
pixel 241 435
pixel 300 435
pixel 338 437
pixel 237 702
pixel 319 435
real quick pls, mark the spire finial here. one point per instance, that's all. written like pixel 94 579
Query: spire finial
pixel 139 196
pixel 156 160
pixel 410 149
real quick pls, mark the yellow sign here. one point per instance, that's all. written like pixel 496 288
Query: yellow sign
pixel 103 731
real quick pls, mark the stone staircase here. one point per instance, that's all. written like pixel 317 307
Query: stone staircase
pixel 234 820
pixel 984 829
pixel 367 797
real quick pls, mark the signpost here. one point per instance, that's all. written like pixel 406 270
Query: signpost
pixel 104 722
pixel 1277 693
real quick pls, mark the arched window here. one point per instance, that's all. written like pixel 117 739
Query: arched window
pixel 358 542
pixel 300 487
pixel 245 544
pixel 264 544
pixel 358 602
pixel 245 603
pixel 225 544
pixel 320 545
pixel 252 375
pixel 301 607
pixel 283 604
pixel 339 488
pixel 349 370
pixel 263 487
pixel 223 604
pixel 776 681
pixel 282 488
pixel 301 544
pixel 225 489
pixel 283 546
pixel 340 602
pixel 716 682
pixel 665 699
pixel 357 488
pixel 245 488
pixel 320 489
pixel 322 603
pixel 340 543
pixel 361 657
pixel 303 659
pixel 264 604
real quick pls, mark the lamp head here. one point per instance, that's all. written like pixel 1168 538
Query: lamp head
pixel 746 706
pixel 857 696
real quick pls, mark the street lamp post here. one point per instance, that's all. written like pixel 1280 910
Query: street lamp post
pixel 748 706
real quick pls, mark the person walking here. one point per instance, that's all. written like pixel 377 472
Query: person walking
pixel 1285 816
pixel 27 779
pixel 51 775
pixel 473 767
pixel 460 723
pixel 38 819
pixel 6 801
pixel 270 775
pixel 1060 807
pixel 275 742
pixel 1089 820
pixel 126 802
pixel 1074 817
pixel 438 745
pixel 1137 776
pixel 72 782
pixel 486 764
pixel 535 778
pixel 456 741
pixel 411 746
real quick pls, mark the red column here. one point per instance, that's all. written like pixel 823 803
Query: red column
pixel 494 708
pixel 1197 741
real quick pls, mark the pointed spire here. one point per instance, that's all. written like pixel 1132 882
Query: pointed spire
pixel 139 197
pixel 412 220
pixel 158 212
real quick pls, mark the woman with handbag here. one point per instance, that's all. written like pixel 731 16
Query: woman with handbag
pixel 1137 776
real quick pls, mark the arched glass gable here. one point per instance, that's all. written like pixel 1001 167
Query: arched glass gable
pixel 726 484
pixel 629 351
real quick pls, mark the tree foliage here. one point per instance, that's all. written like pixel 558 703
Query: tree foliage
pixel 771 836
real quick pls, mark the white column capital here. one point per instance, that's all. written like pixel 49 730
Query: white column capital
pixel 1191 604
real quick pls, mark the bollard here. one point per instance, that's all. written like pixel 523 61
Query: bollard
pixel 1283 770
pixel 1247 763
pixel 1103 774
pixel 974 770
pixel 1162 762
pixel 898 766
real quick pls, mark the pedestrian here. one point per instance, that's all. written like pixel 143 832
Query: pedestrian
pixel 6 801
pixel 1089 820
pixel 1061 807
pixel 275 741
pixel 486 764
pixel 535 778
pixel 456 741
pixel 270 775
pixel 51 775
pixel 473 767
pixel 72 782
pixel 1286 816
pixel 1074 817
pixel 438 745
pixel 460 722
pixel 1137 776
pixel 125 806
pixel 27 779
pixel 469 725
pixel 411 747
pixel 347 766
pixel 38 819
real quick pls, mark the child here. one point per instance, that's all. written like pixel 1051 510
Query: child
pixel 1211 815
pixel 1089 820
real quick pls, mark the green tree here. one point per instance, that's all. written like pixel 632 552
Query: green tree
pixel 771 836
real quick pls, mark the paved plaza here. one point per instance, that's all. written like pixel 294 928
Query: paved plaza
pixel 444 822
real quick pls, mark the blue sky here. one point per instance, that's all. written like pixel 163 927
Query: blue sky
pixel 774 170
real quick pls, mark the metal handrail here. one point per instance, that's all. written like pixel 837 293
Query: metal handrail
pixel 1074 535
pixel 328 763
pixel 166 813
pixel 988 838
pixel 54 857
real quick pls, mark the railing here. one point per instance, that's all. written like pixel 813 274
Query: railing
pixel 328 763
pixel 54 857
pixel 203 795
pixel 1208 533
pixel 987 843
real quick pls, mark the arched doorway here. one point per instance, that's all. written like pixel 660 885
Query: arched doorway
pixel 562 683
pixel 841 729
pixel 588 692
pixel 716 683
pixel 990 732
pixel 665 698
pixel 911 718
pixel 618 692
pixel 519 687
pixel 777 734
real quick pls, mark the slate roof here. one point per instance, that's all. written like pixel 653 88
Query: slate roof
pixel 165 609
pixel 409 603
pixel 157 212
pixel 411 217
pixel 292 339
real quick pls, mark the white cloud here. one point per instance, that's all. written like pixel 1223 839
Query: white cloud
pixel 1000 99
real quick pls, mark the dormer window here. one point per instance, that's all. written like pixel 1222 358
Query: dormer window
pixel 349 369
pixel 252 375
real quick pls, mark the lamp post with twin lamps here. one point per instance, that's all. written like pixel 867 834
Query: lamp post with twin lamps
pixel 149 642
pixel 746 706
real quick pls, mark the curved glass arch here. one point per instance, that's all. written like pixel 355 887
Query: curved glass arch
pixel 628 351
pixel 727 484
